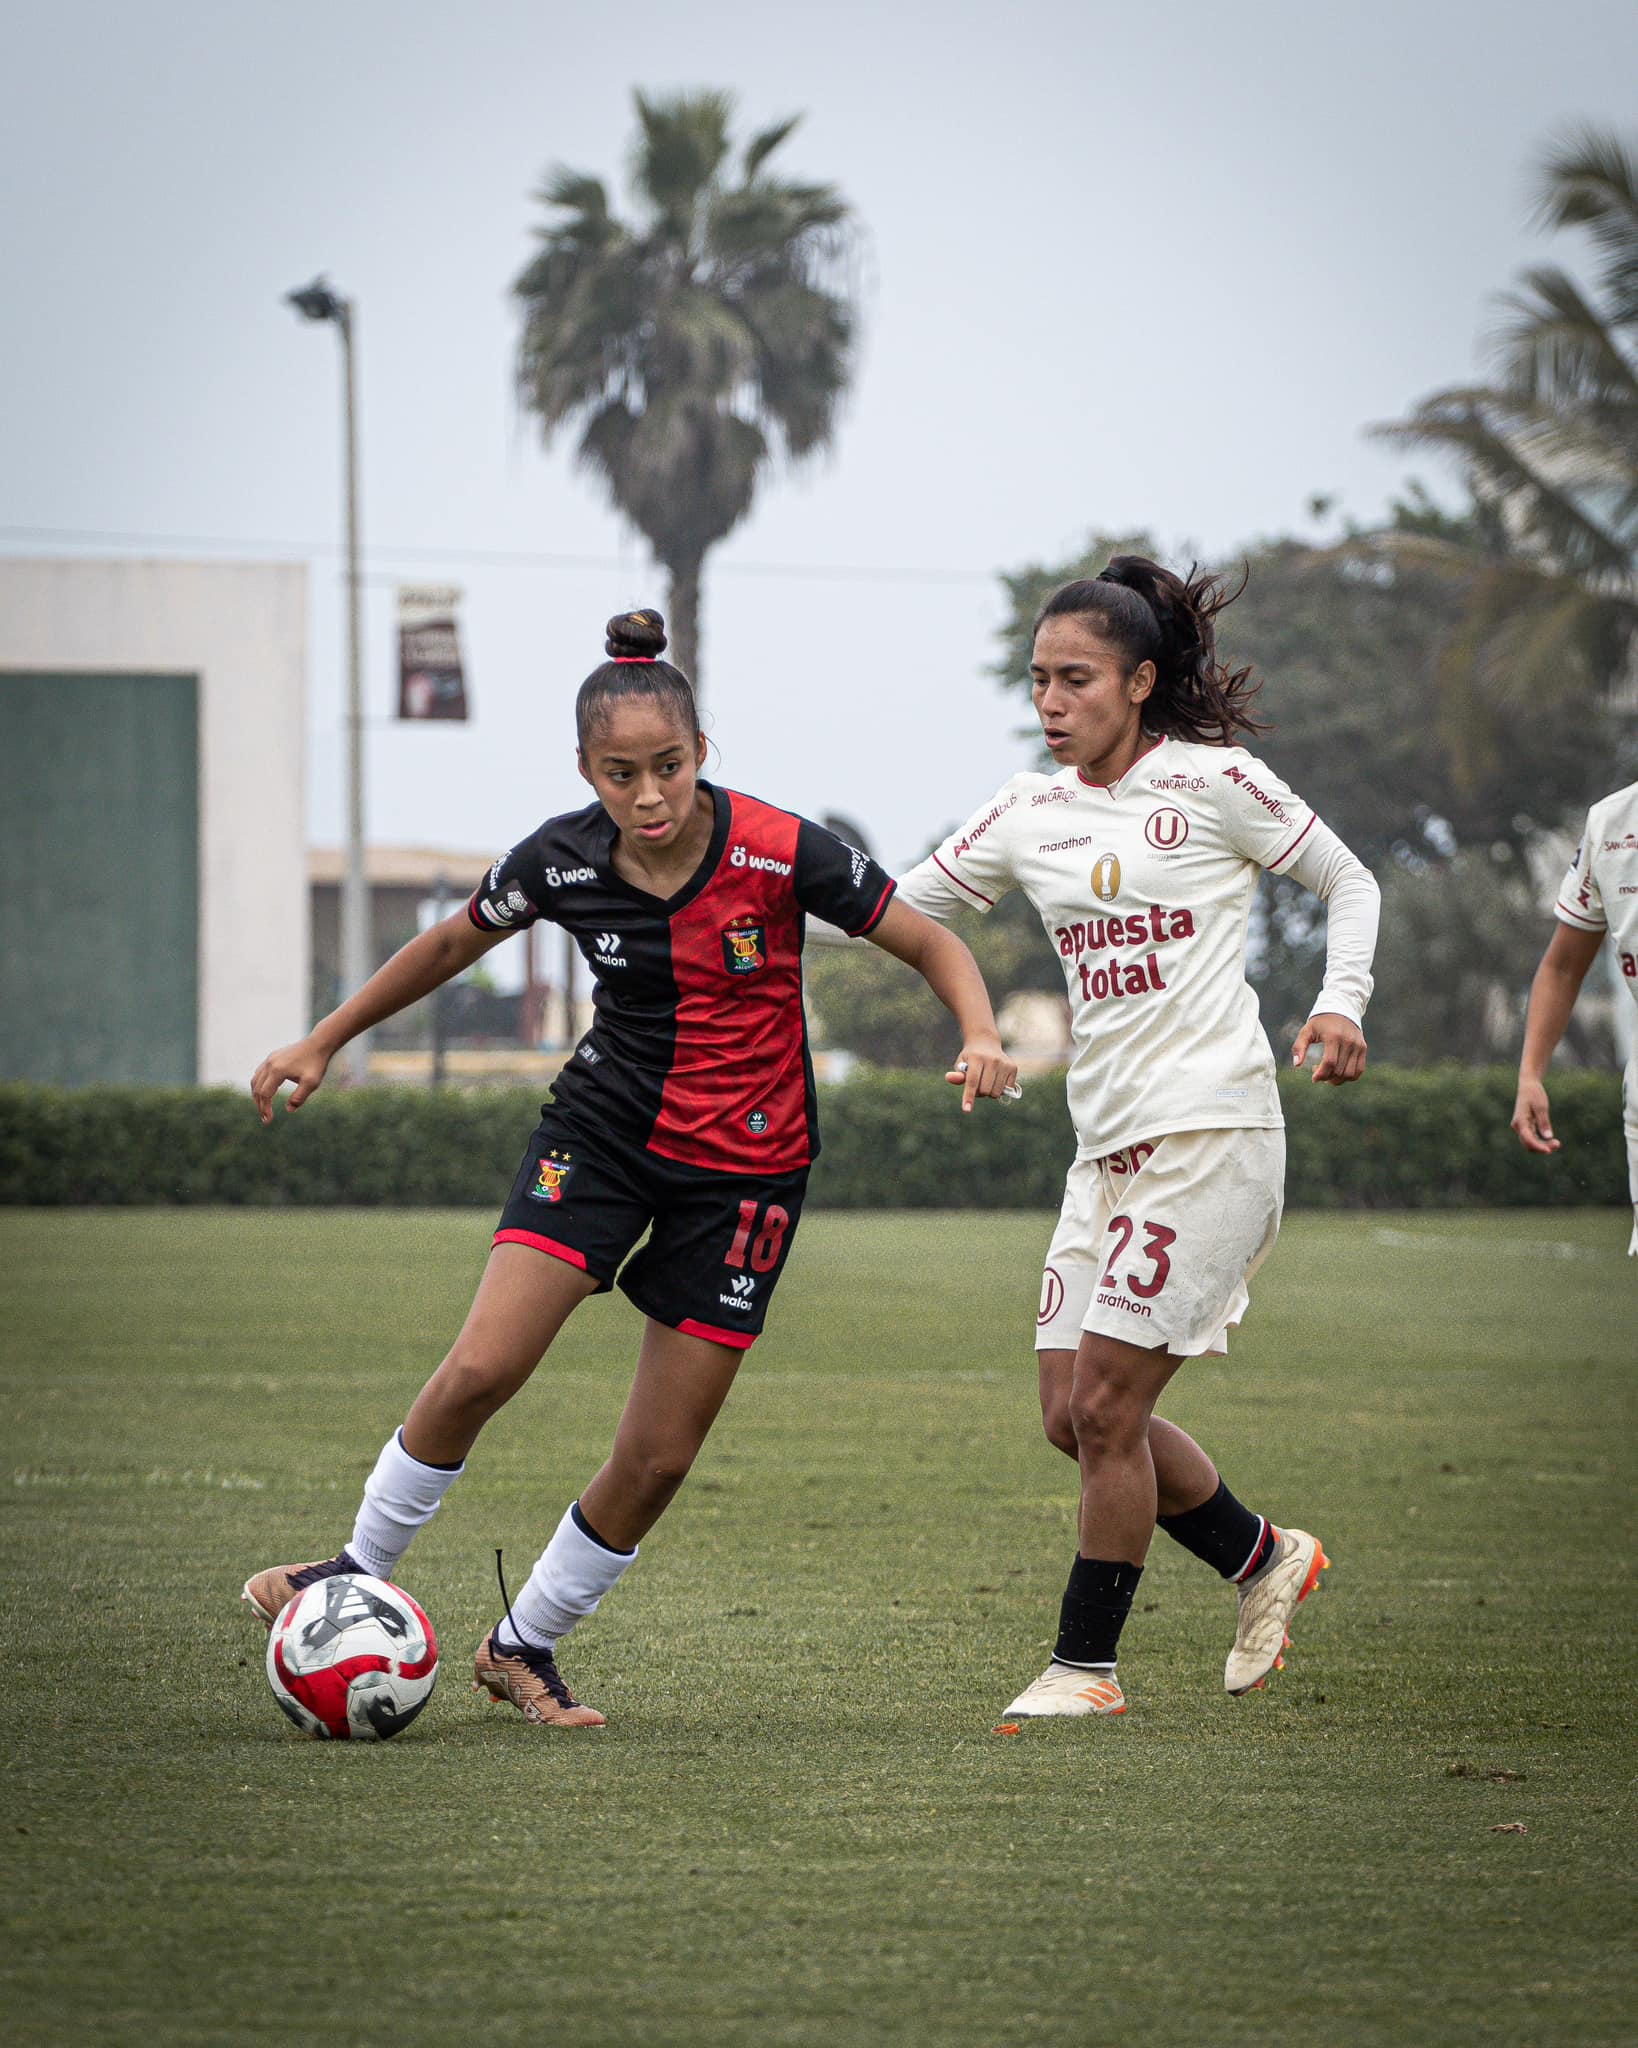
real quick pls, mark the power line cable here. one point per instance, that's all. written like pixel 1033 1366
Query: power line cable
pixel 499 558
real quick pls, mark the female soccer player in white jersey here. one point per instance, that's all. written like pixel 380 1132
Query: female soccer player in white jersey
pixel 1142 855
pixel 688 1105
pixel 1598 895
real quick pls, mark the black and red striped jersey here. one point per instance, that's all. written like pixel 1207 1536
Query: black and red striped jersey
pixel 698 1049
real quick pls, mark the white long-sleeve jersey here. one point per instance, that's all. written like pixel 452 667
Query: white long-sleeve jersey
pixel 1144 887
pixel 1600 894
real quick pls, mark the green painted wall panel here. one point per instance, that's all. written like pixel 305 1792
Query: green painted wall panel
pixel 99 878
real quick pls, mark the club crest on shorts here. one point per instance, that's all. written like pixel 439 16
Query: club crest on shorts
pixel 744 947
pixel 1106 877
pixel 551 1174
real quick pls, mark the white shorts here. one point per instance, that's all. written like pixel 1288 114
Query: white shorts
pixel 1155 1244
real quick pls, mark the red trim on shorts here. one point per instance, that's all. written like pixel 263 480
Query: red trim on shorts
pixel 736 1340
pixel 543 1244
pixel 1291 849
pixel 960 884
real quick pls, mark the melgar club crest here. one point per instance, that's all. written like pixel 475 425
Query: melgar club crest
pixel 744 948
pixel 552 1172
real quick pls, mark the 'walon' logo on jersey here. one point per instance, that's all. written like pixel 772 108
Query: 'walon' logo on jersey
pixel 1106 877
pixel 744 948
pixel 549 1180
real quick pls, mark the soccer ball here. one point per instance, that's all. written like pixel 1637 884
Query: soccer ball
pixel 352 1659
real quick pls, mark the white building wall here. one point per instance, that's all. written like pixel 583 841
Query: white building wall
pixel 241 628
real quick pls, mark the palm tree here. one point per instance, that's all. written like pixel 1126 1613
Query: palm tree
pixel 1550 450
pixel 691 345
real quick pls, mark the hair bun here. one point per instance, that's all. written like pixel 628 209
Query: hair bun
pixel 636 634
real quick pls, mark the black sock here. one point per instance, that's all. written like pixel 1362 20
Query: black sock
pixel 1224 1534
pixel 1097 1601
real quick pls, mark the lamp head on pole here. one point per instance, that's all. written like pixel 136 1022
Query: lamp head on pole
pixel 316 301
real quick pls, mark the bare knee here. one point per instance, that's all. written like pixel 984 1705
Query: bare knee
pixel 654 1471
pixel 1106 1421
pixel 470 1385
pixel 1059 1426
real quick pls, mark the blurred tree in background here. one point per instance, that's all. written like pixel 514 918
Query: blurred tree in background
pixel 1548 578
pixel 690 345
pixel 865 1001
pixel 1353 642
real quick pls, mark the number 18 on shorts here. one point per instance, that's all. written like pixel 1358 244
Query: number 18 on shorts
pixel 1156 1243
pixel 717 1242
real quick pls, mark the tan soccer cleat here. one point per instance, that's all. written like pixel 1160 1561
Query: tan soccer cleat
pixel 269 1592
pixel 1266 1608
pixel 1065 1689
pixel 530 1680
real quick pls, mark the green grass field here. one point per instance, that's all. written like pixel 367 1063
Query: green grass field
pixel 799 1826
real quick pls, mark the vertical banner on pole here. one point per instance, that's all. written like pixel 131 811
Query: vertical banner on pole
pixel 431 682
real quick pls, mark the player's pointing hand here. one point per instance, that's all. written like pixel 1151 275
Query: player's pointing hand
pixel 982 1069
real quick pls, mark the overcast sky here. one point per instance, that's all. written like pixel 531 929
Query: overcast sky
pixel 1127 266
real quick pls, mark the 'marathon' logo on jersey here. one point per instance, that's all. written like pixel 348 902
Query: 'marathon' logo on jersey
pixel 744 948
pixel 553 1172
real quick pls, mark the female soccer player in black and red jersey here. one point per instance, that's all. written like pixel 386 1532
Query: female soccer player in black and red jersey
pixel 688 1106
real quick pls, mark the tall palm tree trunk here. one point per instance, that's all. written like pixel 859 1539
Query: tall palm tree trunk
pixel 683 611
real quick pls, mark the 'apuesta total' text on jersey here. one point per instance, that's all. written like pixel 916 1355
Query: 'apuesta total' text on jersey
pixel 1145 888
pixel 698 1049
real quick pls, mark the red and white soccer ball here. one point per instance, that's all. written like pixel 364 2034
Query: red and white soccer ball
pixel 352 1659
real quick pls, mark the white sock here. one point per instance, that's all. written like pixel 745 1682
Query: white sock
pixel 570 1577
pixel 400 1496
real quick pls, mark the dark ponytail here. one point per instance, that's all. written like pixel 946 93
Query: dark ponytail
pixel 635 642
pixel 1150 614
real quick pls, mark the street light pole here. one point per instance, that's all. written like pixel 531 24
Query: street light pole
pixel 317 302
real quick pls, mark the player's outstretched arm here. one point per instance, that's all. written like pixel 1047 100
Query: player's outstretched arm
pixel 951 972
pixel 427 962
pixel 1552 997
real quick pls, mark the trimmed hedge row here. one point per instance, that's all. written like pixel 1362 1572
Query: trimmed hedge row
pixel 1402 1138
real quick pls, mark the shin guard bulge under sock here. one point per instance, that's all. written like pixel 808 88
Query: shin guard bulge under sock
pixel 570 1577
pixel 1096 1603
pixel 400 1496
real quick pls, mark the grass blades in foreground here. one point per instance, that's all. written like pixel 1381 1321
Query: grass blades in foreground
pixel 799 1827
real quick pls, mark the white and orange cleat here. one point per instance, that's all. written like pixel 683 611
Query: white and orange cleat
pixel 1266 1608
pixel 1068 1689
pixel 530 1681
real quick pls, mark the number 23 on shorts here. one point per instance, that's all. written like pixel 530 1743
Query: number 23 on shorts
pixel 1156 1239
pixel 763 1240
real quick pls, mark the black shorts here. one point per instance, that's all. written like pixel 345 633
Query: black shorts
pixel 718 1244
